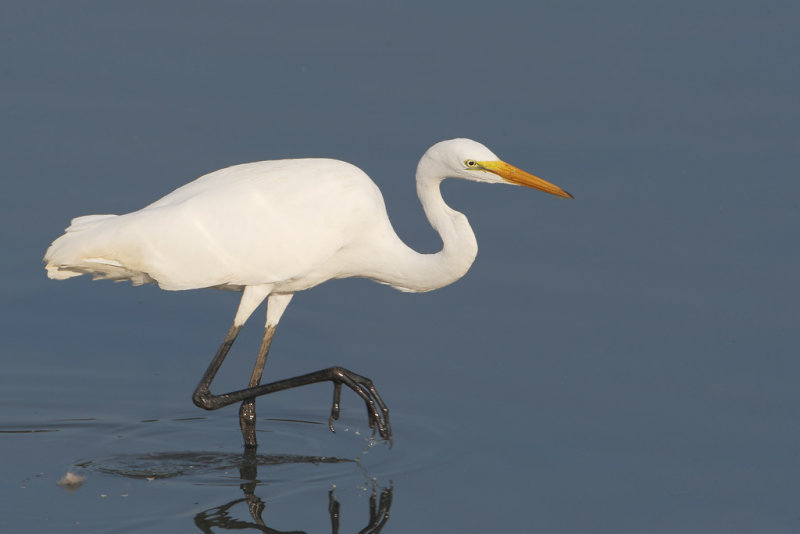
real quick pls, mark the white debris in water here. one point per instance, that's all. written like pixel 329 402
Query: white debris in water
pixel 71 480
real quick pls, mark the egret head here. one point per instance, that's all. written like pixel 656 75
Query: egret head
pixel 464 158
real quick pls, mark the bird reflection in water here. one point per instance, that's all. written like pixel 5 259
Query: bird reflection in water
pixel 221 518
pixel 168 465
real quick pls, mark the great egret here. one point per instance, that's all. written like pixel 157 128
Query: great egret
pixel 273 228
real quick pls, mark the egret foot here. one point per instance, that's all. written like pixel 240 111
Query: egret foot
pixel 377 412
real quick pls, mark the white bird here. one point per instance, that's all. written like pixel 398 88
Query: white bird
pixel 272 228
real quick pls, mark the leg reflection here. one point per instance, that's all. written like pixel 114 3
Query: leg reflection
pixel 378 511
pixel 249 472
pixel 221 518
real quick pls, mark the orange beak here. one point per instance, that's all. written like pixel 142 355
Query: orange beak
pixel 517 176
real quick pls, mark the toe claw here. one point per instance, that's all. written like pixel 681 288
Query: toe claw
pixel 337 393
pixel 330 424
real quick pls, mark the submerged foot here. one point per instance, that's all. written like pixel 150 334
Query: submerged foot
pixel 247 422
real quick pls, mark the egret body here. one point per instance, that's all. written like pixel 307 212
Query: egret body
pixel 272 228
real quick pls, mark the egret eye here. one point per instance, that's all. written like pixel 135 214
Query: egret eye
pixel 471 163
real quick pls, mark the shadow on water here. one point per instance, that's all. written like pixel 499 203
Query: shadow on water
pixel 164 465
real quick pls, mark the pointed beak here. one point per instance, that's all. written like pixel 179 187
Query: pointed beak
pixel 517 176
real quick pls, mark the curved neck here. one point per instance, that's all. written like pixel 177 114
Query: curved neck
pixel 415 272
pixel 459 244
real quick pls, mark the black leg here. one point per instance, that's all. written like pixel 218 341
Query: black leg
pixel 247 411
pixel 201 391
pixel 377 412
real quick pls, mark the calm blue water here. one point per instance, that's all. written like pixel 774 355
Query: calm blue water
pixel 623 362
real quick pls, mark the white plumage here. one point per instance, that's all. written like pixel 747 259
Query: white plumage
pixel 271 222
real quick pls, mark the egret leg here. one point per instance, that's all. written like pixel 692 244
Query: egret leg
pixel 247 411
pixel 216 363
pixel 377 412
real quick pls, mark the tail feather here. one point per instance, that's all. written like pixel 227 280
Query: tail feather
pixel 76 253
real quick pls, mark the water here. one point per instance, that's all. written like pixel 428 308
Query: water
pixel 623 362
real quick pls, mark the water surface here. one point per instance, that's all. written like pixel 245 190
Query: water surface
pixel 623 362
